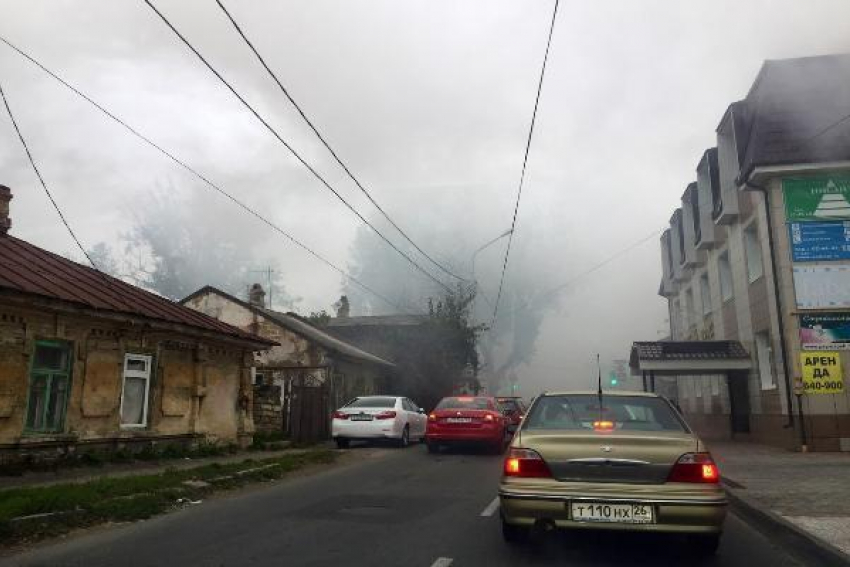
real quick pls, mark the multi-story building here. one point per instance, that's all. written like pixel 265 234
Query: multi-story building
pixel 759 253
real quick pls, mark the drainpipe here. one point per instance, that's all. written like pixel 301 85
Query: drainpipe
pixel 780 315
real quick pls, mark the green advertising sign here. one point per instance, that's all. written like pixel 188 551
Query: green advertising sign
pixel 821 198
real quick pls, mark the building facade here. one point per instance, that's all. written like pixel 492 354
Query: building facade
pixel 759 252
pixel 91 363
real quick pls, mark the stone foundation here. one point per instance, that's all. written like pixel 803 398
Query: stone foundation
pixel 268 412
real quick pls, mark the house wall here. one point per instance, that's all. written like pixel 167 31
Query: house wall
pixel 195 384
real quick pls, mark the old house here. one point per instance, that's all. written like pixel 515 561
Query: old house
pixel 307 359
pixel 90 362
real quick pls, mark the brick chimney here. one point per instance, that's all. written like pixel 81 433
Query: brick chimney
pixel 5 221
pixel 257 296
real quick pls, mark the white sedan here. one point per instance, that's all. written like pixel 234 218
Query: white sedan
pixel 378 417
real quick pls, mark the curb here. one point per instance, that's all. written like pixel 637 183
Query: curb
pixel 812 548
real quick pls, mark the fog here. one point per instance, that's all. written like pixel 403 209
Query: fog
pixel 429 104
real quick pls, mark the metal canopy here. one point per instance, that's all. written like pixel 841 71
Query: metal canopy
pixel 673 358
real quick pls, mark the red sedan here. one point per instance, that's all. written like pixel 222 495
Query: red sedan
pixel 464 419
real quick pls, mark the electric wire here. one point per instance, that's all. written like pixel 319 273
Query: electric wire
pixel 197 174
pixel 41 180
pixel 274 132
pixel 524 163
pixel 325 143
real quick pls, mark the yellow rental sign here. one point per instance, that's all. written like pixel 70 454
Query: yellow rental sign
pixel 822 372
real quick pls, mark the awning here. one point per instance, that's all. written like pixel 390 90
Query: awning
pixel 688 357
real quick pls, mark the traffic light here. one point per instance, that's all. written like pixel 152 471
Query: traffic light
pixel 613 380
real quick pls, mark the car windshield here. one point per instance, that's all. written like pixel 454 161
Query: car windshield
pixel 465 403
pixel 372 402
pixel 579 412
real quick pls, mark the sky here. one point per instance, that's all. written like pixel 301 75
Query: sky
pixel 429 103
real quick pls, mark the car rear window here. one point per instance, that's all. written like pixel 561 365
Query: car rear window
pixel 372 402
pixel 578 412
pixel 510 405
pixel 465 403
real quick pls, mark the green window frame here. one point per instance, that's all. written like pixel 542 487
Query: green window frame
pixel 49 387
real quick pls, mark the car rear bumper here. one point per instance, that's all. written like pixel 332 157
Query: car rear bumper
pixel 376 429
pixel 475 436
pixel 671 514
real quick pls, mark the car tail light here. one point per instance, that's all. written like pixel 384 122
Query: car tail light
pixel 695 467
pixel 385 415
pixel 525 463
pixel 489 417
pixel 432 417
pixel 340 415
pixel 603 425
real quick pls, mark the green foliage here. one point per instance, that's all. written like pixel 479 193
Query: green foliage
pixel 319 318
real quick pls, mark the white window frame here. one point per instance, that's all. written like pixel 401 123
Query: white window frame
pixel 752 250
pixel 705 294
pixel 146 376
pixel 764 354
pixel 724 268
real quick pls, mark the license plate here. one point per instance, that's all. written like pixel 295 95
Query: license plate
pixel 611 513
pixel 361 418
pixel 458 420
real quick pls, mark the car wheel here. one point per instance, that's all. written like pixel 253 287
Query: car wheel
pixel 341 443
pixel 704 544
pixel 404 441
pixel 432 447
pixel 514 534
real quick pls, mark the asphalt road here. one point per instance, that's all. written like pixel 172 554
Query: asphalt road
pixel 388 507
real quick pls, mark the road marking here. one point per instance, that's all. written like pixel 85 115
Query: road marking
pixel 442 562
pixel 491 508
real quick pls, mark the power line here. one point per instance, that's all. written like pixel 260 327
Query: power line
pixel 290 148
pixel 41 179
pixel 197 174
pixel 525 163
pixel 557 289
pixel 328 147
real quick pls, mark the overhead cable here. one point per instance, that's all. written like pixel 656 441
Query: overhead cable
pixel 524 164
pixel 321 138
pixel 41 179
pixel 200 176
pixel 274 132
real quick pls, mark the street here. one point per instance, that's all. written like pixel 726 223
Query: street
pixel 388 507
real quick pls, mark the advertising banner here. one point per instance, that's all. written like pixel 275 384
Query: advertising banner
pixel 824 198
pixel 816 241
pixel 822 287
pixel 821 372
pixel 825 331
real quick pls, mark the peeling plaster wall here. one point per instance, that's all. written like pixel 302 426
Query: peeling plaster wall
pixel 196 386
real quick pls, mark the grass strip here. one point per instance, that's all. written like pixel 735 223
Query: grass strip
pixel 35 512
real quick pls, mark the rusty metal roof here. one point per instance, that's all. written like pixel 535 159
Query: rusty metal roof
pixel 28 269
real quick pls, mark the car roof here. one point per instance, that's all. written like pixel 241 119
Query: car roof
pixel 604 393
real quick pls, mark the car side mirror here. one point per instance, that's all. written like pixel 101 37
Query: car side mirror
pixel 421 410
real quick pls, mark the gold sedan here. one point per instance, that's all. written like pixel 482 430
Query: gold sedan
pixel 611 461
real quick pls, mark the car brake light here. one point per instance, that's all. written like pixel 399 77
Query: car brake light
pixel 695 467
pixel 432 417
pixel 385 415
pixel 488 417
pixel 525 463
pixel 603 425
pixel 340 415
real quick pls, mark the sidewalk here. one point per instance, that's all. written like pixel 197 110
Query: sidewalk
pixel 114 470
pixel 810 492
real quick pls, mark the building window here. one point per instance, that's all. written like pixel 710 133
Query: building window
pixel 690 308
pixel 705 294
pixel 50 377
pixel 134 395
pixel 725 276
pixel 259 378
pixel 763 356
pixel 752 248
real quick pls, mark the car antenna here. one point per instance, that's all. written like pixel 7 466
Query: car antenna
pixel 599 384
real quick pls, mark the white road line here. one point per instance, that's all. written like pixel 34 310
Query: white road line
pixel 442 562
pixel 491 508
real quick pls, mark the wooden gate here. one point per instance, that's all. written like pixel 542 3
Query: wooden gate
pixel 309 411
